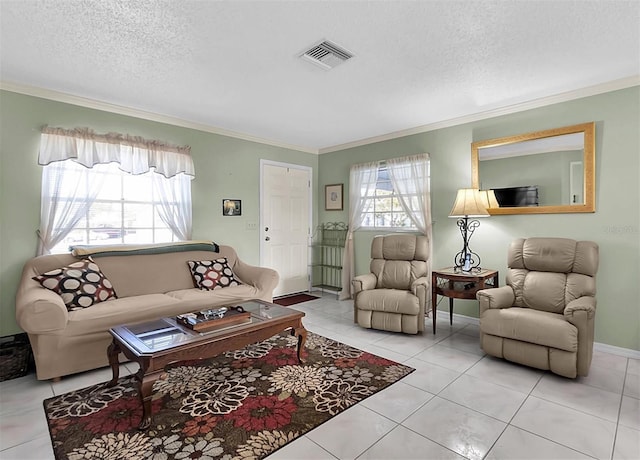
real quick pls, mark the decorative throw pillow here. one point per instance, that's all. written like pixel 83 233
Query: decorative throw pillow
pixel 80 284
pixel 212 274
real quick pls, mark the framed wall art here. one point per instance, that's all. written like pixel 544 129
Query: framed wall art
pixel 231 207
pixel 333 200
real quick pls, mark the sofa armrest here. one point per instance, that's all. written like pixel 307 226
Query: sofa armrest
pixel 502 297
pixel 263 278
pixel 364 282
pixel 39 310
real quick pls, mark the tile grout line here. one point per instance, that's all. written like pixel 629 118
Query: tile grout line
pixel 615 434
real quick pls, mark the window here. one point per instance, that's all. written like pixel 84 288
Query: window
pixel 384 203
pixel 125 209
pixel 382 207
pixel 393 194
pixel 112 188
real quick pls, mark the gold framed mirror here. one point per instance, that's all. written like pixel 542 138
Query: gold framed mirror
pixel 542 172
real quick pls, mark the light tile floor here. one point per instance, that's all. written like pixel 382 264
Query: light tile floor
pixel 459 403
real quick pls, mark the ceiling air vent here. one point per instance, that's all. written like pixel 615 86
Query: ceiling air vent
pixel 326 55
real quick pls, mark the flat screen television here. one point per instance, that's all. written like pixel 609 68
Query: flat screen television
pixel 517 196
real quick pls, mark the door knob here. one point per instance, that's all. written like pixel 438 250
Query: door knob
pixel 267 239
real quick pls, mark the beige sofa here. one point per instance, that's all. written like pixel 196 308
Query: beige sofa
pixel 544 317
pixel 147 286
pixel 393 297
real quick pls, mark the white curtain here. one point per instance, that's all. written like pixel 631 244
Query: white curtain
pixel 67 194
pixel 134 154
pixel 175 203
pixel 410 179
pixel 362 182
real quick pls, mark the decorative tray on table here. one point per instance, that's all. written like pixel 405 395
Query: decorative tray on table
pixel 214 319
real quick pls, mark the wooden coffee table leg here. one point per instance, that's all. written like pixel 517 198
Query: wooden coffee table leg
pixel 113 351
pixel 145 387
pixel 301 333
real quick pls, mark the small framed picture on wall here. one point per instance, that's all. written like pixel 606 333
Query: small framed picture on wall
pixel 333 197
pixel 231 207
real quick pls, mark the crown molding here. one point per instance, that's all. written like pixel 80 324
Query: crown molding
pixel 521 107
pixel 137 113
pixel 151 116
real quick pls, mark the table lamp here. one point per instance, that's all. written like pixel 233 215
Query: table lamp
pixel 489 199
pixel 469 202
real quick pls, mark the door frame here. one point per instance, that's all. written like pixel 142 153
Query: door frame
pixel 261 231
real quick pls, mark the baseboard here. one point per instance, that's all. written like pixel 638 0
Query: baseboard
pixel 626 352
pixel 322 290
pixel 602 347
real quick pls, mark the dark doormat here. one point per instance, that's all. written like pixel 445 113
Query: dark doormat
pixel 294 299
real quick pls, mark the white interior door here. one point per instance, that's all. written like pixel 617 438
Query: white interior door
pixel 576 183
pixel 285 224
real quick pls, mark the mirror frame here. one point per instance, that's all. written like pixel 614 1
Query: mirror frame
pixel 589 204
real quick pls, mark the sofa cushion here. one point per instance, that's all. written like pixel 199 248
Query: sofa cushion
pixel 80 284
pixel 227 296
pixel 143 274
pixel 212 274
pixel 125 310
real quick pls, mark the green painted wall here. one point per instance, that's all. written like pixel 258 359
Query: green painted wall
pixel 229 168
pixel 225 168
pixel 615 225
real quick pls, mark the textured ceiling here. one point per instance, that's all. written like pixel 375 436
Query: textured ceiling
pixel 233 65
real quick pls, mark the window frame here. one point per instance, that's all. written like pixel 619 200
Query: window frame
pixel 381 166
pixel 86 226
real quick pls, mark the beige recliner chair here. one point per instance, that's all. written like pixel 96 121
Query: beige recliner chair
pixel 544 316
pixel 393 297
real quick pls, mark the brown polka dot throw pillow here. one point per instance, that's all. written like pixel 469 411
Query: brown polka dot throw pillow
pixel 212 274
pixel 80 284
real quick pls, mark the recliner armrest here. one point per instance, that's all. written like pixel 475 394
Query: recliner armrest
pixel 585 304
pixel 581 313
pixel 422 282
pixel 364 282
pixel 502 297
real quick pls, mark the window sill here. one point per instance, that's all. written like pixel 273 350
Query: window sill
pixel 388 229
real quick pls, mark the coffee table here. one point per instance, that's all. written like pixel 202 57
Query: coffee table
pixel 156 344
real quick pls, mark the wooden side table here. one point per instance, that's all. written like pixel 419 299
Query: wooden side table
pixel 455 284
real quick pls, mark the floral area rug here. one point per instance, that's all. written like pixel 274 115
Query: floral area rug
pixel 244 404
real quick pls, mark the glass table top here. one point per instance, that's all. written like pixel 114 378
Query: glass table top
pixel 166 333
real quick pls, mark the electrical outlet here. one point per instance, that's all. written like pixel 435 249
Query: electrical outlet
pixel 251 226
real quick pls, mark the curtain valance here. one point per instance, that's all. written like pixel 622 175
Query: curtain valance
pixel 134 154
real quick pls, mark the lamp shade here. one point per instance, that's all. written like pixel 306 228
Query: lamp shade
pixel 489 199
pixel 469 203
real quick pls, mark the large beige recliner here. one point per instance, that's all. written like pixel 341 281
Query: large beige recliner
pixel 393 297
pixel 544 316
